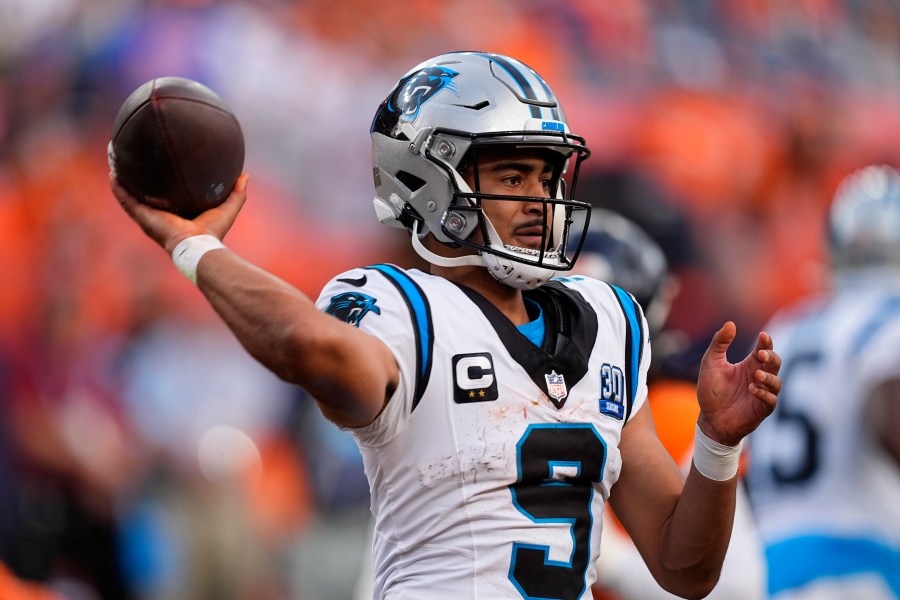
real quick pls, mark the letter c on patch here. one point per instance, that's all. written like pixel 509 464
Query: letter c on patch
pixel 474 372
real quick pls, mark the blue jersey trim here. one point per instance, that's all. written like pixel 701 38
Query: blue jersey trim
pixel 534 330
pixel 423 328
pixel 797 562
pixel 633 347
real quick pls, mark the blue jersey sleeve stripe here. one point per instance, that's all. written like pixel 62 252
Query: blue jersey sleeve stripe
pixel 423 328
pixel 633 346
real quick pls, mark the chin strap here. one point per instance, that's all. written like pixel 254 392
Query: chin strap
pixel 515 274
pixel 442 261
pixel 509 272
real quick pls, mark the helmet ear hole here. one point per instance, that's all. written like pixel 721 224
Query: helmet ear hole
pixel 409 215
pixel 410 181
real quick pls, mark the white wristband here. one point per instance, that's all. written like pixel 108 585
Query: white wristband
pixel 188 252
pixel 713 460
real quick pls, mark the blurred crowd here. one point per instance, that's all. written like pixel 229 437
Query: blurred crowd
pixel 143 454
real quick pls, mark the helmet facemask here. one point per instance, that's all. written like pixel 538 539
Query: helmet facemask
pixel 466 222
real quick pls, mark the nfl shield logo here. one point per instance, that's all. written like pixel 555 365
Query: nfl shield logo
pixel 556 387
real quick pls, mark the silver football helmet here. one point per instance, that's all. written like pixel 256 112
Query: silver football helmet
pixel 864 223
pixel 432 126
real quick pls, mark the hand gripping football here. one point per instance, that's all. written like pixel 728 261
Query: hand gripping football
pixel 176 145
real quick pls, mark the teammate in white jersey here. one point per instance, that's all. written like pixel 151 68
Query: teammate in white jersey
pixel 497 413
pixel 824 471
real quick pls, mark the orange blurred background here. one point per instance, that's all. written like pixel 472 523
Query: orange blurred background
pixel 741 116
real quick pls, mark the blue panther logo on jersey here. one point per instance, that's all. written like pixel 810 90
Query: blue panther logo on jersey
pixel 421 87
pixel 351 307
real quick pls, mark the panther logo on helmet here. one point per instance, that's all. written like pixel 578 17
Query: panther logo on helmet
pixel 419 88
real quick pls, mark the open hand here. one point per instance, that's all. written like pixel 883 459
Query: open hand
pixel 734 399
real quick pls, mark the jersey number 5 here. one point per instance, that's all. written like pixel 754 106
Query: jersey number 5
pixel 558 466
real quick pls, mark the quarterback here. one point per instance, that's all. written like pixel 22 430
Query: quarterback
pixel 497 412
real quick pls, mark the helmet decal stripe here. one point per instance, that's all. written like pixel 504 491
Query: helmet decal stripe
pixel 553 111
pixel 520 80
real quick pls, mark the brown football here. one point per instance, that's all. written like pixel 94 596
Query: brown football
pixel 176 145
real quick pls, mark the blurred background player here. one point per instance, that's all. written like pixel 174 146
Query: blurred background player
pixel 618 251
pixel 823 474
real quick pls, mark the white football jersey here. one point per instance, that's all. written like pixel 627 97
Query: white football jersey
pixel 825 497
pixel 491 464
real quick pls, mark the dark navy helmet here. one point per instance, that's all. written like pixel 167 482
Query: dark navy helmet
pixel 617 251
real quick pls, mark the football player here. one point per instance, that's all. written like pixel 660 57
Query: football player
pixel 497 412
pixel 824 474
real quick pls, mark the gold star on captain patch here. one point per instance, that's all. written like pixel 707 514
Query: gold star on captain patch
pixel 481 393
pixel 471 394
